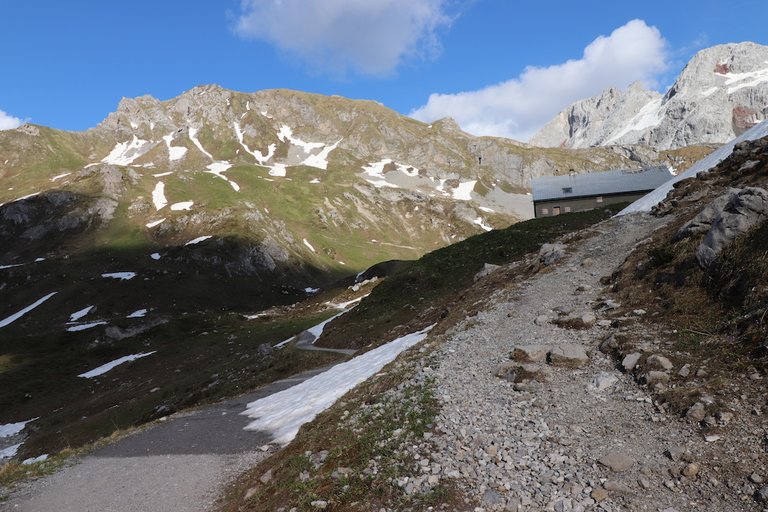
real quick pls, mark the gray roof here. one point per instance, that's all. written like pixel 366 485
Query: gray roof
pixel 599 183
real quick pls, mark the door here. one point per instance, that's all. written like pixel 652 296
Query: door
pixel 555 210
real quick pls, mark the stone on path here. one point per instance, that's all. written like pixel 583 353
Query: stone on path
pixel 630 361
pixel 530 353
pixel 603 381
pixel 570 356
pixel 616 461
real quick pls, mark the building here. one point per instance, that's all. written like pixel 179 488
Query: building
pixel 553 195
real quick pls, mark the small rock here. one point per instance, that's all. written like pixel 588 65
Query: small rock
pixel 724 417
pixel 644 483
pixel 433 479
pixel 541 320
pixel 696 412
pixel 678 453
pixel 587 262
pixel 659 362
pixel 762 494
pixel 492 498
pixel 616 461
pixel 266 477
pixel 530 353
pixel 691 470
pixel 656 377
pixel 630 361
pixel 319 504
pixel 551 253
pixel 250 493
pixel 712 438
pixel 488 269
pixel 599 494
pixel 685 371
pixel 603 381
pixel 755 478
pixel 571 356
pixel 588 318
pixel 617 487
pixel 639 312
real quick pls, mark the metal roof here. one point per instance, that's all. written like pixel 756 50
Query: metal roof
pixel 599 183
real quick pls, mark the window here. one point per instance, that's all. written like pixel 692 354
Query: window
pixel 599 199
pixel 567 190
pixel 545 211
pixel 567 209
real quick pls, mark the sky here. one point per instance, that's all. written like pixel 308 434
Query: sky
pixel 499 67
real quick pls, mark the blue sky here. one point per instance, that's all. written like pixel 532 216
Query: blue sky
pixel 67 64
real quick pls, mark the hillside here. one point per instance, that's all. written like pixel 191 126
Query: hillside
pixel 721 92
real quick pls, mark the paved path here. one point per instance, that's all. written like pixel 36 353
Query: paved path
pixel 176 466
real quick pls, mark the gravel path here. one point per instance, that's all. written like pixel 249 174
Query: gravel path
pixel 180 465
pixel 538 445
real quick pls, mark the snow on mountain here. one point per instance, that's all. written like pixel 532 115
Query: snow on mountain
pixel 721 93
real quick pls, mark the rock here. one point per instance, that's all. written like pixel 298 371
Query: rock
pixel 678 453
pixel 712 438
pixel 487 270
pixel 617 487
pixel 551 253
pixel 492 498
pixel 723 418
pixel 755 478
pixel 587 262
pixel 655 377
pixel 630 361
pixel 659 362
pixel 644 483
pixel 568 355
pixel 599 494
pixel 762 494
pixel 588 318
pixel 696 412
pixel 342 472
pixel 319 504
pixel 541 320
pixel 691 471
pixel 530 353
pixel 616 461
pixel 743 210
pixel 250 493
pixel 609 344
pixel 266 477
pixel 685 371
pixel 603 381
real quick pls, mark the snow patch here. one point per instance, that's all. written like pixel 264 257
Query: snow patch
pixel 283 413
pixel 197 240
pixel 11 429
pixel 155 256
pixel 123 276
pixel 139 313
pixel 162 174
pixel 278 170
pixel 82 327
pixel 77 315
pixel 709 92
pixel 7 453
pixel 158 196
pixel 184 205
pixel 737 81
pixel 3 267
pixel 311 290
pixel 108 366
pixel 645 203
pixel 218 168
pixel 481 222
pixel 463 192
pixel 193 138
pixel 315 181
pixel 10 319
pixel 61 176
pixel 125 153
pixel 650 116
pixel 34 460
pixel 308 245
pixel 258 155
pixel 155 223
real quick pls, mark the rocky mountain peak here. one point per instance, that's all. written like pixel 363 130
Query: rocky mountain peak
pixel 721 93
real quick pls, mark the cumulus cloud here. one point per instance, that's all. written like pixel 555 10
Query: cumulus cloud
pixel 8 122
pixel 517 108
pixel 367 36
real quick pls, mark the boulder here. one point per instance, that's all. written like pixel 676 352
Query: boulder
pixel 603 381
pixel 616 461
pixel 630 361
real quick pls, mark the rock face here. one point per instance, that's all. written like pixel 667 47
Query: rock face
pixel 725 218
pixel 721 93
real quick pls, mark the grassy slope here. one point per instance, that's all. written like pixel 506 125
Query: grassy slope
pixel 422 291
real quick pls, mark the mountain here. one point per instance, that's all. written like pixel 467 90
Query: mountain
pixel 721 92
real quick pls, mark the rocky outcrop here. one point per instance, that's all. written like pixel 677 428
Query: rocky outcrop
pixel 721 93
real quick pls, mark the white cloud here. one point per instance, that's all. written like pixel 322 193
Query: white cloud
pixel 368 36
pixel 8 122
pixel 517 108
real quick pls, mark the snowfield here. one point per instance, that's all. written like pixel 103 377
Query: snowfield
pixel 10 319
pixel 283 413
